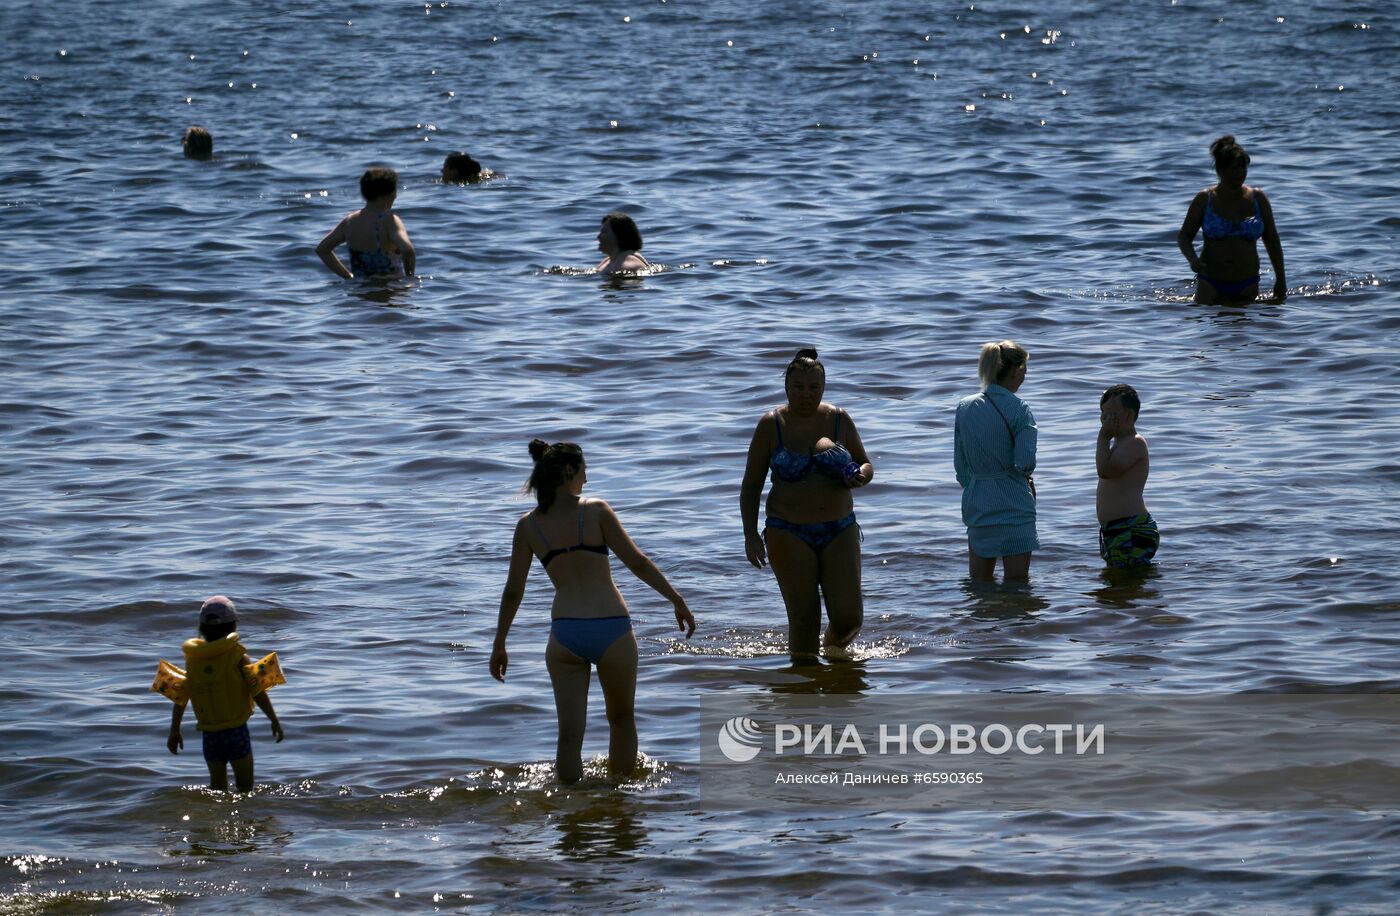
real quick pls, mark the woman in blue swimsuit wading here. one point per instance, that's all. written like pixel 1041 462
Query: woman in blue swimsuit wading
pixel 994 437
pixel 810 536
pixel 571 537
pixel 374 236
pixel 1232 217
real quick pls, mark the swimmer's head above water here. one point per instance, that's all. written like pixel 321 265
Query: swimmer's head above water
pixel 618 233
pixel 999 363
pixel 198 143
pixel 459 167
pixel 378 182
pixel 555 465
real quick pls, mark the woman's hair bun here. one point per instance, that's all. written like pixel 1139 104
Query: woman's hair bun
pixel 537 448
pixel 806 353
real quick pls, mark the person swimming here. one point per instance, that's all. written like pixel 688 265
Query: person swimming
pixel 374 236
pixel 458 168
pixel 620 241
pixel 590 625
pixel 198 144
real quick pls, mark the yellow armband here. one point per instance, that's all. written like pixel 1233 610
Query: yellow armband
pixel 263 673
pixel 170 682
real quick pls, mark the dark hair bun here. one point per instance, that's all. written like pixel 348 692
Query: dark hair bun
pixel 806 353
pixel 537 448
pixel 1224 143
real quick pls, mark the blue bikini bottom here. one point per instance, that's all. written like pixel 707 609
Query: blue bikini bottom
pixel 815 535
pixel 1231 287
pixel 589 637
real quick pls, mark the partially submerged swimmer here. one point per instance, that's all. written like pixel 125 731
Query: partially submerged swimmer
pixel 374 236
pixel 458 167
pixel 620 241
pixel 198 143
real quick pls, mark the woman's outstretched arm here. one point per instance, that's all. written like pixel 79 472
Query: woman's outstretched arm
pixel 615 536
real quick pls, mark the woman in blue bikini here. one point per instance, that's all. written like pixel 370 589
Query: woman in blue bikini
pixel 571 537
pixel 810 535
pixel 1232 217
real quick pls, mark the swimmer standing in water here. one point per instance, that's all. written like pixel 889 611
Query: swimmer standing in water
pixel 1128 534
pixel 374 235
pixel 810 536
pixel 590 627
pixel 1232 217
pixel 217 681
pixel 994 439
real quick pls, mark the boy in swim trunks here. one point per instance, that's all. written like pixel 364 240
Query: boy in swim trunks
pixel 222 686
pixel 1128 535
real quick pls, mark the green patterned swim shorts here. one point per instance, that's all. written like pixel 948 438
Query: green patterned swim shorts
pixel 1129 542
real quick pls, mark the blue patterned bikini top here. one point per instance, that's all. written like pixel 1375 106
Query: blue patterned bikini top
pixel 376 263
pixel 1216 226
pixel 790 467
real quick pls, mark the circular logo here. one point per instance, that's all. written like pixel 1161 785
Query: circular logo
pixel 740 739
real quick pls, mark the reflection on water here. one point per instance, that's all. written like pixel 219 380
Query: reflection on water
pixel 394 292
pixel 1128 588
pixel 1000 601
pixel 815 677
pixel 607 827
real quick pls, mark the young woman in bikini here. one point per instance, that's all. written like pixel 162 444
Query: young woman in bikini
pixel 571 536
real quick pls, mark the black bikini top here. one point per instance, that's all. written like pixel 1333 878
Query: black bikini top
pixel 557 551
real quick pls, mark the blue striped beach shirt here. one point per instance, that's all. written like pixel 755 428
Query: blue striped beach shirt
pixel 993 455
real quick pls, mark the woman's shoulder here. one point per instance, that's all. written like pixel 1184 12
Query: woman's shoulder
pixel 594 506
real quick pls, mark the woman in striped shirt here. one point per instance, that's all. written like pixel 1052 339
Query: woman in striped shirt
pixel 993 456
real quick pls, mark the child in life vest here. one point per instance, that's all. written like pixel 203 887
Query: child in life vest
pixel 223 683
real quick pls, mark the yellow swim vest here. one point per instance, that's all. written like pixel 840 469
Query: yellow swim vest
pixel 173 682
pixel 217 688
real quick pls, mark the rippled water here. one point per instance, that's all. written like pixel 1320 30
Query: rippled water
pixel 191 404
